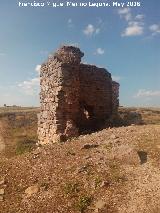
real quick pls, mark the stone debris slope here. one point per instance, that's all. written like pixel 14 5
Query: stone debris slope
pixel 2 144
pixel 114 170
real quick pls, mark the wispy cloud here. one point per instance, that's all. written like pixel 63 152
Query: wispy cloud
pixel 147 93
pixel 99 21
pixel 30 87
pixel 70 22
pixel 38 68
pixel 2 54
pixel 133 29
pixel 94 29
pixel 155 29
pixel 135 25
pixel 91 30
pixel 116 78
pixel 139 17
pixel 99 51
pixel 22 93
pixel 73 44
pixel 16 95
pixel 44 52
pixel 125 13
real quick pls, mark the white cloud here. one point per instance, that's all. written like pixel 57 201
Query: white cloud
pixel 135 25
pixel 125 13
pixel 22 93
pixel 30 87
pixel 99 51
pixel 38 68
pixel 116 78
pixel 147 93
pixel 139 17
pixel 91 30
pixel 15 95
pixel 133 29
pixel 155 29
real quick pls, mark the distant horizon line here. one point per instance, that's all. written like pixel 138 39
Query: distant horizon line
pixel 31 106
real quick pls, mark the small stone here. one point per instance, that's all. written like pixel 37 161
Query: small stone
pixel 1 191
pixel 101 158
pixel 87 157
pixel 83 169
pixel 88 146
pixel 37 151
pixel 113 136
pixel 100 204
pixel 104 183
pixel 31 190
pixel 1 199
pixel 2 181
pixel 35 156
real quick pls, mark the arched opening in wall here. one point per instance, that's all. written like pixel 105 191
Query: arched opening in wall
pixel 88 111
pixel 86 119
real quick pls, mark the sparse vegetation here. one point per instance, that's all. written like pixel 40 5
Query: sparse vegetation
pixel 97 182
pixel 115 173
pixel 108 146
pixel 11 109
pixel 148 115
pixel 71 188
pixel 20 129
pixel 45 185
pixel 70 152
pixel 25 145
pixel 83 203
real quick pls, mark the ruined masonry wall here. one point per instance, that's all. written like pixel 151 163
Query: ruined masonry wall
pixel 73 96
pixel 96 94
pixel 59 101
pixel 115 97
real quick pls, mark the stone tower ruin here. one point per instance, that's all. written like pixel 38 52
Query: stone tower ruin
pixel 74 96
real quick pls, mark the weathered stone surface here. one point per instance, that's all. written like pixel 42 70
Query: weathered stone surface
pixel 2 181
pixel 100 205
pixel 115 95
pixel 89 146
pixel 74 96
pixel 1 191
pixel 31 190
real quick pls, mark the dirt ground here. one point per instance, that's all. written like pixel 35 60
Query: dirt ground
pixel 113 170
pixel 2 144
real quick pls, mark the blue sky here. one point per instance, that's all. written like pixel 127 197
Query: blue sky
pixel 125 40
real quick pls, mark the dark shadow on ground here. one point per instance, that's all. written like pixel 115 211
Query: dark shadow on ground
pixel 143 156
pixel 125 118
